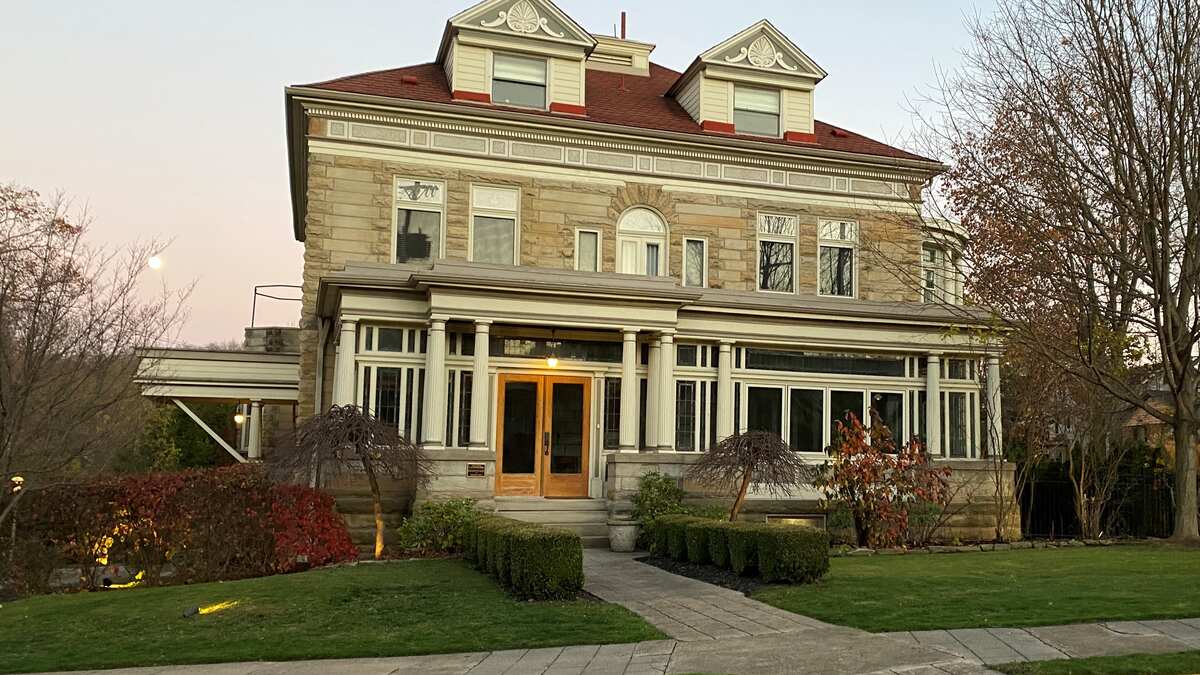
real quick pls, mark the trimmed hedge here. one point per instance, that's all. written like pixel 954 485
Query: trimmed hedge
pixel 532 561
pixel 776 553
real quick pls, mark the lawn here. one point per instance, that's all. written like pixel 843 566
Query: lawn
pixel 1159 664
pixel 387 609
pixel 1004 588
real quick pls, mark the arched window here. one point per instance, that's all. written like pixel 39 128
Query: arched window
pixel 641 242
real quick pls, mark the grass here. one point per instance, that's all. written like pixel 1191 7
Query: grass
pixel 388 609
pixel 1159 664
pixel 1004 588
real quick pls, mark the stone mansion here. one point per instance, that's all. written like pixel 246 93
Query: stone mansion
pixel 557 264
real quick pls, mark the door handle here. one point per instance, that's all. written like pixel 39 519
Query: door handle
pixel 546 443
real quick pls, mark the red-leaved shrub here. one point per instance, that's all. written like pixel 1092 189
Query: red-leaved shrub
pixel 306 525
pixel 199 524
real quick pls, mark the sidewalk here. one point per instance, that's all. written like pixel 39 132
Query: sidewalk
pixel 716 630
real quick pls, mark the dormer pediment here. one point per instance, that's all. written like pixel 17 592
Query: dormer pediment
pixel 761 48
pixel 539 20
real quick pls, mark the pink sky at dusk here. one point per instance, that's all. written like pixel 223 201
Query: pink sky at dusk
pixel 166 120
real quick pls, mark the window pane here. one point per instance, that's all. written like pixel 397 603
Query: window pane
pixel 842 403
pixel 839 230
pixel 652 260
pixel 807 420
pixel 418 235
pixel 693 263
pixel 775 266
pixel 391 339
pixel 387 395
pixel 587 253
pixel 519 68
pixel 757 123
pixel 494 240
pixel 957 369
pixel 837 271
pixel 888 410
pixel 519 93
pixel 612 412
pixel 685 355
pixel 956 411
pixel 764 409
pixel 685 415
pixel 464 410
pixel 757 100
pixel 817 362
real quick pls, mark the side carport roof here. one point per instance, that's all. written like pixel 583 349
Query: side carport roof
pixel 270 377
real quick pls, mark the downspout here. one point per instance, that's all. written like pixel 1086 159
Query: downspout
pixel 319 379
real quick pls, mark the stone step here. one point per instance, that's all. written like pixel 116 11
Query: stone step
pixel 359 503
pixel 506 504
pixel 557 517
pixel 596 541
pixel 367 520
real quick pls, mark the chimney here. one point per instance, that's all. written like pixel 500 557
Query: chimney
pixel 622 24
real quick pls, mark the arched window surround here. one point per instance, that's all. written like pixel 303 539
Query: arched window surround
pixel 643 238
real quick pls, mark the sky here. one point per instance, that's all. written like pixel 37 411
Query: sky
pixel 165 120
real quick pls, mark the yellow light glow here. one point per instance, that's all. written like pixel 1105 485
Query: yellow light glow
pixel 137 581
pixel 154 262
pixel 239 418
pixel 218 607
pixel 552 362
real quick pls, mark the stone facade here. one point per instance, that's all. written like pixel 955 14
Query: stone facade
pixel 349 218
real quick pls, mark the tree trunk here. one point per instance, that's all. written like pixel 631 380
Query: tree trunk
pixel 862 531
pixel 377 504
pixel 741 496
pixel 1185 481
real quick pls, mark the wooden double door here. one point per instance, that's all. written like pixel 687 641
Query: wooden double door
pixel 542 435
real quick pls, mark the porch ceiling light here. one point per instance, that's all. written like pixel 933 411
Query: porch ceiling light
pixel 238 418
pixel 552 358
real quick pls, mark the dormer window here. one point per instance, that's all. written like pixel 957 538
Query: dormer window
pixel 756 111
pixel 518 80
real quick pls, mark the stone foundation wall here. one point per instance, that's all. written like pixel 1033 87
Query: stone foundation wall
pixel 971 516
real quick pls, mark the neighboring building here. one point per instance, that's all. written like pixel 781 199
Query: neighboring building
pixel 557 265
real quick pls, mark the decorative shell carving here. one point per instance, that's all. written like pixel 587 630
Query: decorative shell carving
pixel 761 53
pixel 522 17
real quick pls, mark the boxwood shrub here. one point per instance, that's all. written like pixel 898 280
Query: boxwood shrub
pixel 743 547
pixel 675 529
pixel 532 561
pixel 792 554
pixel 698 535
pixel 718 543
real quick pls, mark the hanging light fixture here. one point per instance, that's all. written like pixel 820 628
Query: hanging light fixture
pixel 552 357
pixel 238 418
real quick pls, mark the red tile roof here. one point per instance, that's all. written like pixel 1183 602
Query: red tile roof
pixel 612 98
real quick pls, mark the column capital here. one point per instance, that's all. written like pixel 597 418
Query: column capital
pixel 438 322
pixel 482 324
pixel 726 343
pixel 993 359
pixel 933 355
pixel 668 338
pixel 667 331
pixel 348 323
pixel 629 334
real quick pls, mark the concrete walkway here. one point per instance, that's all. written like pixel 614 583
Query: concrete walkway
pixel 716 630
pixel 1075 641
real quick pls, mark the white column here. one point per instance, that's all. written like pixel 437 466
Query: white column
pixel 725 390
pixel 666 393
pixel 627 433
pixel 433 428
pixel 653 392
pixel 343 367
pixel 933 403
pixel 994 429
pixel 254 446
pixel 480 386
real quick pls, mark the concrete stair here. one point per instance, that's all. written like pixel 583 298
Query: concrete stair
pixel 354 503
pixel 586 517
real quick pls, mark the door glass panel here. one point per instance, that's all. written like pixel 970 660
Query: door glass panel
pixel 520 427
pixel 566 424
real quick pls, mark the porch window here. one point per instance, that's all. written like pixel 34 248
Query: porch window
pixel 519 80
pixel 756 111
pixel 842 403
pixel 494 224
pixel 612 412
pixel 417 231
pixel 641 242
pixel 764 409
pixel 685 415
pixel 838 239
pixel 956 421
pixel 887 410
pixel 777 252
pixel 806 420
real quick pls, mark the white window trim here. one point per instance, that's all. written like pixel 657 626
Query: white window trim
pixel 416 206
pixel 733 87
pixel 599 247
pixel 759 237
pixel 491 72
pixel 643 238
pixel 839 243
pixel 825 422
pixel 683 266
pixel 472 211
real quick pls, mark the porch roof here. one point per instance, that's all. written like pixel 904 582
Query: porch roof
pixel 270 377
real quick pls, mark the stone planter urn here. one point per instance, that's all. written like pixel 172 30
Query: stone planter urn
pixel 622 535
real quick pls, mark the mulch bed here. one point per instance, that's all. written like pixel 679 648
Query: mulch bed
pixel 706 573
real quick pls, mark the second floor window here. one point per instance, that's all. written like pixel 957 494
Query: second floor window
pixel 940 279
pixel 641 243
pixel 756 111
pixel 494 224
pixel 587 250
pixel 695 262
pixel 777 252
pixel 418 229
pixel 519 80
pixel 836 264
